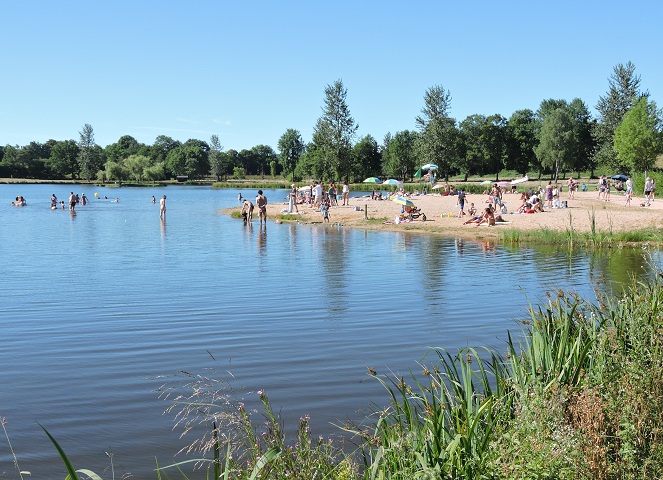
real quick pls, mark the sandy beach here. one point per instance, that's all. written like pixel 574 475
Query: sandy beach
pixel 442 215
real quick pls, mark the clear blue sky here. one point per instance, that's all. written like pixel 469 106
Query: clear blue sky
pixel 249 70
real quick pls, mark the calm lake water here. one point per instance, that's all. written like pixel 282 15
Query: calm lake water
pixel 97 304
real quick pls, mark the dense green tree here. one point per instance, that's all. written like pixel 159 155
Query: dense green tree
pixel 307 164
pixel 216 157
pixel 291 147
pixel 190 158
pixel 582 126
pixel 520 141
pixel 160 148
pixel 262 156
pixel 116 171
pixel 639 138
pixel 439 138
pixel 63 161
pixel 123 148
pixel 197 158
pixel 28 161
pixel 366 158
pixel 137 164
pixel 472 160
pixel 14 162
pixel 334 133
pixel 557 142
pixel 399 155
pixel 494 143
pixel 623 92
pixel 90 155
pixel 155 172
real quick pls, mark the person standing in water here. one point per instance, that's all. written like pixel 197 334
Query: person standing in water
pixel 261 203
pixel 162 208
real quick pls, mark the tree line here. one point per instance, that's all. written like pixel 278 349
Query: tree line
pixel 558 138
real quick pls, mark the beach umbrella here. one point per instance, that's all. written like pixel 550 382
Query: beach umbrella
pixel 403 201
pixel 418 174
pixel 430 166
pixel 504 184
pixel 391 181
pixel 486 182
pixel 620 177
pixel 372 180
pixel 437 185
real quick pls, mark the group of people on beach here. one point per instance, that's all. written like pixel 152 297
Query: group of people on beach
pixel 247 208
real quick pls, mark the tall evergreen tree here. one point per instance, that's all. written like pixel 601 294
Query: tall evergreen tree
pixel 438 141
pixel 334 133
pixel 623 92
pixel 216 157
pixel 90 158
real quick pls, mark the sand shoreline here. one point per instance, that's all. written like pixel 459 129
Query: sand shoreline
pixel 442 215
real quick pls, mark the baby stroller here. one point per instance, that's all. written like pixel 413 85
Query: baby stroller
pixel 414 212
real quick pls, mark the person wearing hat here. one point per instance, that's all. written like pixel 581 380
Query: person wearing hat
pixel 292 198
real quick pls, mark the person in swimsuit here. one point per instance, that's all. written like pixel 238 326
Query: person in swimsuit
pixel 261 203
pixel 247 211
pixel 162 208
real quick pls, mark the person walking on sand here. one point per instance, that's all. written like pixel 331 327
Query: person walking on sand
pixel 261 203
pixel 162 208
pixel 461 203
pixel 346 193
pixel 648 187
pixel 629 191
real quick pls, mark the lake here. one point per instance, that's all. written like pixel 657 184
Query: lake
pixel 98 304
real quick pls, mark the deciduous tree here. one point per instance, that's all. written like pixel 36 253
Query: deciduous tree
pixel 639 138
pixel 557 142
pixel 291 147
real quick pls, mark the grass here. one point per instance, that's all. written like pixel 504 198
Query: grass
pixel 571 238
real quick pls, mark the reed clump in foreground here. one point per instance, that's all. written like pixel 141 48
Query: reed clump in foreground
pixel 579 395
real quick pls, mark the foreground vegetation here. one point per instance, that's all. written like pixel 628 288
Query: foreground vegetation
pixel 579 395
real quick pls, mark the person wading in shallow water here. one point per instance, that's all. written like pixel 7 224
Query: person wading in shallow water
pixel 261 203
pixel 162 208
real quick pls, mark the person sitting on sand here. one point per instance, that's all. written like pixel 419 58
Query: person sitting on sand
pixel 472 211
pixel 487 217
